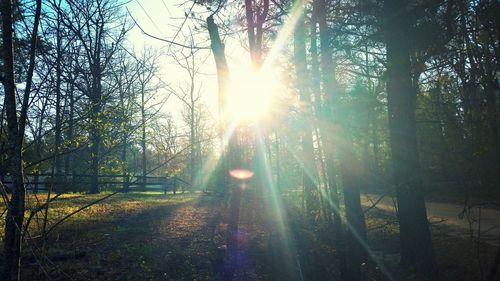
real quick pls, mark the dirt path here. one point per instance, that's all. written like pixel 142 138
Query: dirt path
pixel 448 214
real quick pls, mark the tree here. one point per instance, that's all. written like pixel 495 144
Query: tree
pixel 192 115
pixel 124 74
pixel 417 253
pixel 309 171
pixel 15 130
pixel 336 133
pixel 91 23
pixel 147 69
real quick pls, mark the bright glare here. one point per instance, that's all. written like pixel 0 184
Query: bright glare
pixel 241 174
pixel 251 95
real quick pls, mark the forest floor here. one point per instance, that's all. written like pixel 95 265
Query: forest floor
pixel 135 236
pixel 144 236
pixel 149 236
pixel 461 254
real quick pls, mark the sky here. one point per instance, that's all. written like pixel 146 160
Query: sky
pixel 163 18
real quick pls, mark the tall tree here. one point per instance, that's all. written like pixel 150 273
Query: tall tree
pixel 337 133
pixel 15 134
pixel 417 253
pixel 93 24
pixel 256 13
pixel 147 69
pixel 190 97
pixel 299 49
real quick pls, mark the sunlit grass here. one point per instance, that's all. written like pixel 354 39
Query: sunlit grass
pixel 119 205
pixel 126 237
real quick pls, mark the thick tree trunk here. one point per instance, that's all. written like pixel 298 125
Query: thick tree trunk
pixel 223 80
pixel 350 168
pixel 192 133
pixel 125 185
pixel 94 150
pixel 417 253
pixel 15 134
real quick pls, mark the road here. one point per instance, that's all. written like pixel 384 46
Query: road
pixel 448 214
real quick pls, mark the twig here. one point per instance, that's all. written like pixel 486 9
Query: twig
pixel 81 209
pixel 35 211
pixel 376 202
pixel 163 39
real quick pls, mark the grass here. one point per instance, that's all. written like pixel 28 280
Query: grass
pixel 149 236
pixel 121 204
pixel 125 237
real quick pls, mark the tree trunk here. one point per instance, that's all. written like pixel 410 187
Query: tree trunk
pixel 39 142
pixel 417 253
pixel 223 80
pixel 192 132
pixel 124 126
pixel 143 139
pixel 56 165
pixel 15 136
pixel 350 168
pixel 308 170
pixel 71 125
pixel 95 126
pixel 339 135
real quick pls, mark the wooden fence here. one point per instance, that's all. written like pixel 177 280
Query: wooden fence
pixel 78 182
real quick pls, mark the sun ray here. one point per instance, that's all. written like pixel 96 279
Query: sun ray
pixel 250 99
pixel 280 216
pixel 336 208
pixel 285 32
pixel 203 175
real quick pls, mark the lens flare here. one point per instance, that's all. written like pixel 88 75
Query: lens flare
pixel 241 174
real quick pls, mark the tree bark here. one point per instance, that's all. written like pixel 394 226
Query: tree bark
pixel 15 134
pixel 58 129
pixel 95 126
pixel 15 212
pixel 335 132
pixel 223 80
pixel 417 253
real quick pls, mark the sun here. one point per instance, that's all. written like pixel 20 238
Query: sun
pixel 251 95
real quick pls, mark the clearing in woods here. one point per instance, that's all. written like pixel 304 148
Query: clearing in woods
pixel 150 236
pixel 139 236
